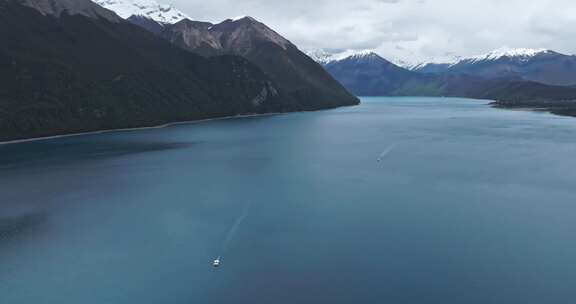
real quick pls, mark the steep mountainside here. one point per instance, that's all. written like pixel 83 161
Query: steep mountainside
pixel 64 73
pixel 147 23
pixel 71 7
pixel 195 36
pixel 297 74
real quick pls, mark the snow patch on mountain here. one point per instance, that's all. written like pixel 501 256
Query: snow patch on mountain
pixel 404 64
pixel 162 13
pixel 417 66
pixel 238 18
pixel 444 60
pixel 355 54
pixel 320 55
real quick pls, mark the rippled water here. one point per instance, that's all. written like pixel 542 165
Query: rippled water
pixel 399 200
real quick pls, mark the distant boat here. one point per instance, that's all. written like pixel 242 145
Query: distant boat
pixel 216 263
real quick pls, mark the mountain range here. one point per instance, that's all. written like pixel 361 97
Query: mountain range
pixel 539 65
pixel 504 75
pixel 72 66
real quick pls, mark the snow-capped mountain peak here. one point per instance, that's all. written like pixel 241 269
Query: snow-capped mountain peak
pixel 520 53
pixel 162 13
pixel 325 57
pixel 357 54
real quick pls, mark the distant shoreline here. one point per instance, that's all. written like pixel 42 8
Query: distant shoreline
pixel 560 108
pixel 20 141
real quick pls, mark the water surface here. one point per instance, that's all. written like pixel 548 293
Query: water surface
pixel 399 200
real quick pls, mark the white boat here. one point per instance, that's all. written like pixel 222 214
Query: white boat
pixel 216 263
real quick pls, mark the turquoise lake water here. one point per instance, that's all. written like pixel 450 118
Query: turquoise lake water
pixel 399 200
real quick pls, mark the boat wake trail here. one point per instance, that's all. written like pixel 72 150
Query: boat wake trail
pixel 386 152
pixel 234 229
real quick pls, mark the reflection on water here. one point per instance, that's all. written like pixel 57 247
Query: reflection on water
pixel 15 226
pixel 72 149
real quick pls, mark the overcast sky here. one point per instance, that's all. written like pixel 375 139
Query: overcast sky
pixel 411 30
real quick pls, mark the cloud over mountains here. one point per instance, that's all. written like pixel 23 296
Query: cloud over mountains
pixel 411 30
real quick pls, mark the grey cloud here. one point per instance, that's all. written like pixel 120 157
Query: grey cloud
pixel 411 30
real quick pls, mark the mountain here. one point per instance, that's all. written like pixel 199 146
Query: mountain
pixel 296 74
pixel 70 66
pixel 538 65
pixel 162 13
pixel 367 74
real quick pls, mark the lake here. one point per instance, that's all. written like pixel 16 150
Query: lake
pixel 399 200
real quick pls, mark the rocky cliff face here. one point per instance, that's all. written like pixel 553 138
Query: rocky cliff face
pixel 304 80
pixel 243 35
pixel 195 36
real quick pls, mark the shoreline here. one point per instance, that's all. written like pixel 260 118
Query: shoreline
pixel 557 109
pixel 189 122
